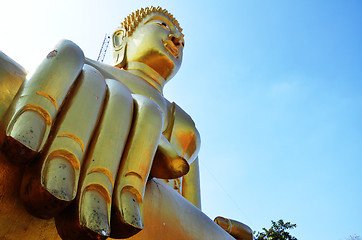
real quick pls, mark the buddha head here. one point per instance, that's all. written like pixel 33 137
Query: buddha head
pixel 151 36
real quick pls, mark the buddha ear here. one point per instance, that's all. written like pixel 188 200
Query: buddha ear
pixel 119 41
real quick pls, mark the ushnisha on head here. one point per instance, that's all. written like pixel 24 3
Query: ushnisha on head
pixel 151 36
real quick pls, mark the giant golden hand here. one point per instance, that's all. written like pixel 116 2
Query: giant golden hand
pixel 91 135
pixel 55 116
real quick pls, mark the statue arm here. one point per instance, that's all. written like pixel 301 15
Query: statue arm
pixel 185 138
pixel 191 185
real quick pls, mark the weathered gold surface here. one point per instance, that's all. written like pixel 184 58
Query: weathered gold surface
pixel 81 139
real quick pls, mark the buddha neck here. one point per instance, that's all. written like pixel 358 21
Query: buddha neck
pixel 146 73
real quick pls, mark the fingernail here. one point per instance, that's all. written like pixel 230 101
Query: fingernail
pixel 223 223
pixel 29 129
pixel 94 212
pixel 131 210
pixel 59 178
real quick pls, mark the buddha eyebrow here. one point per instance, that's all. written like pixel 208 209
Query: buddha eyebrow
pixel 163 20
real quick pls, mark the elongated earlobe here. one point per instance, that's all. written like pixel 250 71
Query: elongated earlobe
pixel 119 47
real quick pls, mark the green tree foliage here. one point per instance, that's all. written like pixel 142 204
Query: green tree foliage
pixel 276 232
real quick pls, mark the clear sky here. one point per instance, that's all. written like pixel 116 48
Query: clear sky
pixel 275 89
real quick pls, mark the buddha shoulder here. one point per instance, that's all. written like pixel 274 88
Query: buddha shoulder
pixel 182 133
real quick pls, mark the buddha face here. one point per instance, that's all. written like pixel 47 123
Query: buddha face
pixel 158 43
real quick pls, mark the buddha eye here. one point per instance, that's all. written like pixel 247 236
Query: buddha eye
pixel 160 22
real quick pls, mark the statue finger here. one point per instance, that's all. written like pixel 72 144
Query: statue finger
pixel 29 118
pixel 89 216
pixel 168 163
pixel 141 146
pixel 236 229
pixel 51 183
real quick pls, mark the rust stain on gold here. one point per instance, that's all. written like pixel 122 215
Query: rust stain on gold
pixel 67 155
pixel 52 54
pixel 104 171
pixel 49 97
pixel 100 189
pixel 74 137
pixel 44 113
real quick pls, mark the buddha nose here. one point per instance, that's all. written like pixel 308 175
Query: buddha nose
pixel 176 40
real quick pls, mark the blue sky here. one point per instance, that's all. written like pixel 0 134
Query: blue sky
pixel 273 86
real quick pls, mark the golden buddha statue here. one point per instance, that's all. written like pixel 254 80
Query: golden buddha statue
pixel 81 140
